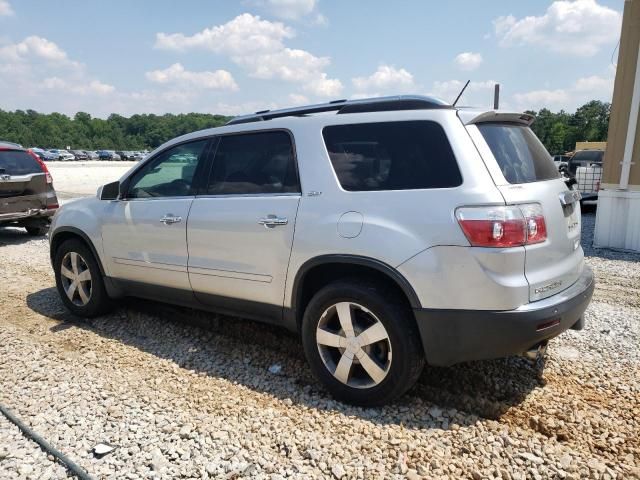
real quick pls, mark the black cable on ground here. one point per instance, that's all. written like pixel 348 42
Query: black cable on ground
pixel 46 446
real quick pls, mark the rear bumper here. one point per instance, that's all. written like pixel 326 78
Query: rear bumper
pixel 28 216
pixel 454 336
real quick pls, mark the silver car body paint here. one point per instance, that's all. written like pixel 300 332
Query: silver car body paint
pixel 221 248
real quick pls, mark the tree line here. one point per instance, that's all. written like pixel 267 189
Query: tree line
pixel 558 131
pixel 82 132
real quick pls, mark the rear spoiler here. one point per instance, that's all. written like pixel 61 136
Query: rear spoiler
pixel 473 117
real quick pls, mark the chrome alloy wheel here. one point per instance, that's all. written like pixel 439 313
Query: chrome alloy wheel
pixel 76 278
pixel 354 345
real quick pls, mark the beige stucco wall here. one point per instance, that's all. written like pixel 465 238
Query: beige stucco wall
pixel 621 103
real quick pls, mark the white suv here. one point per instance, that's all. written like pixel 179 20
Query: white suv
pixel 388 232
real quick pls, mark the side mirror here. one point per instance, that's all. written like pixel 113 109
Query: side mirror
pixel 110 191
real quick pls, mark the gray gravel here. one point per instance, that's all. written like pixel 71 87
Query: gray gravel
pixel 184 394
pixel 22 458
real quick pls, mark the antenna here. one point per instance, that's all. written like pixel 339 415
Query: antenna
pixel 461 92
pixel 496 96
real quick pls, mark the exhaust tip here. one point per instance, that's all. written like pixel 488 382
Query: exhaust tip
pixel 537 351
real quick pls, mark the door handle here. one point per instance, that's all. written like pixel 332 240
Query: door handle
pixel 271 221
pixel 168 219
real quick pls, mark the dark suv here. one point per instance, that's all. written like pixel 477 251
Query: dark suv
pixel 27 197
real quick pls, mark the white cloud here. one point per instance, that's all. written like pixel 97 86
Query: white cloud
pixel 290 9
pixel 324 87
pixel 37 48
pixel 580 92
pixel 41 75
pixel 595 84
pixel 468 61
pixel 286 64
pixel 246 34
pixel 259 47
pixel 321 20
pixel 386 77
pixel 176 74
pixel 241 108
pixel 94 87
pixel 578 27
pixel 5 9
pixel 542 98
pixel 296 99
pixel 36 53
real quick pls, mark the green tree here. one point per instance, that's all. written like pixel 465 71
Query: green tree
pixel 558 131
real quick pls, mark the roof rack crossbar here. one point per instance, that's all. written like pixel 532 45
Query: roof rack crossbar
pixel 380 104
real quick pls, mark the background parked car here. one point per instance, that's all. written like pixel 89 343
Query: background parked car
pixel 11 143
pixel 560 160
pixel 60 154
pixel 91 155
pixel 79 154
pixel 39 152
pixel 108 155
pixel 26 190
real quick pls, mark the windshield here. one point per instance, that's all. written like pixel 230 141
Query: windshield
pixel 520 155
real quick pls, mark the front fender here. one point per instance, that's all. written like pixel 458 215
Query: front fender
pixel 82 218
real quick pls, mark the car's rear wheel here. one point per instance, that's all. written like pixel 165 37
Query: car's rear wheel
pixel 362 343
pixel 79 280
pixel 37 231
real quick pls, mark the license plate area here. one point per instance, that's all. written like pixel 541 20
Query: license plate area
pixel 572 217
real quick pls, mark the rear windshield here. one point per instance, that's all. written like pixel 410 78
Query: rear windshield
pixel 520 155
pixel 18 162
pixel 391 156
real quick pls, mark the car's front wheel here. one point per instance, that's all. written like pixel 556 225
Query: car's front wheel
pixel 362 343
pixel 79 280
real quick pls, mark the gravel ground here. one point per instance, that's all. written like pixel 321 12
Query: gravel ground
pixel 184 394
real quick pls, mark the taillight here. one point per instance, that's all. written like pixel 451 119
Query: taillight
pixel 536 226
pixel 43 166
pixel 503 226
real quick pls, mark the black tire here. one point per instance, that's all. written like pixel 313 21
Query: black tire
pixel 37 231
pixel 407 359
pixel 99 302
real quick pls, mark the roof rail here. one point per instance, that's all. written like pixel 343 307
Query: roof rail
pixel 379 104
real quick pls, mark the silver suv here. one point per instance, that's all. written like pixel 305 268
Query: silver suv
pixel 388 232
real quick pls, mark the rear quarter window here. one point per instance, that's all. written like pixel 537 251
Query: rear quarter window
pixel 391 156
pixel 520 155
pixel 18 162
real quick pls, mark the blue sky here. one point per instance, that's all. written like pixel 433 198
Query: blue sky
pixel 236 57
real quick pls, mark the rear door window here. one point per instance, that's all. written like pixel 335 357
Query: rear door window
pixel 391 156
pixel 254 163
pixel 520 155
pixel 18 162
